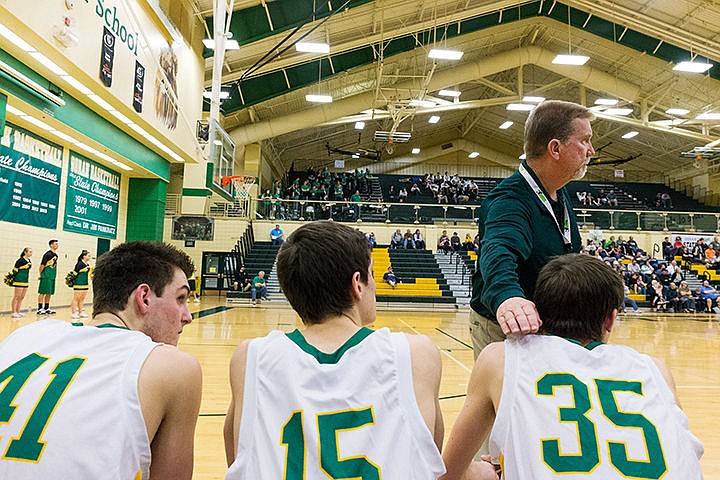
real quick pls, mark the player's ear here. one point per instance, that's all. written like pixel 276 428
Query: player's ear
pixel 609 323
pixel 356 287
pixel 141 298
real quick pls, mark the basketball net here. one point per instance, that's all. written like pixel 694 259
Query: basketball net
pixel 241 185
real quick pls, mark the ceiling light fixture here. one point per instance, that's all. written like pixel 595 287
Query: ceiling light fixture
pixel 693 67
pixel 506 125
pixel 442 54
pixel 708 116
pixel 312 47
pixel 449 93
pixel 319 98
pixel 519 107
pixel 473 155
pixel 531 99
pixel 606 101
pixel 224 94
pixel 421 103
pixel 415 151
pixel 677 111
pixel 229 44
pixel 575 60
pixel 631 134
pixel 359 125
pixel 619 111
pixel 434 119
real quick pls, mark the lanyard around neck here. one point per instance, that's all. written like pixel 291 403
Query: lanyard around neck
pixel 565 230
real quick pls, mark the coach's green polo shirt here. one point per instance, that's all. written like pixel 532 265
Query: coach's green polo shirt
pixel 518 237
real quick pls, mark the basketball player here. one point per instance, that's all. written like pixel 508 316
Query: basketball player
pixel 336 399
pixel 114 399
pixel 566 403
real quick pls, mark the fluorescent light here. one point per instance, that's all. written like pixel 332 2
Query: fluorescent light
pixel 522 157
pixel 120 116
pixel 631 134
pixel 64 136
pixel 224 94
pixel 217 142
pixel 355 155
pixel 229 44
pixel 38 123
pixel 520 107
pixel 319 98
pixel 606 101
pixel 359 125
pixel 474 155
pixel 15 111
pixel 312 47
pixel 449 93
pixel 73 82
pixel 708 116
pixel 677 111
pixel 445 54
pixel 97 99
pixel 434 119
pixel 692 67
pixel 17 41
pixel 619 111
pixel 531 99
pixel 422 103
pixel 415 151
pixel 48 63
pixel 576 60
pixel 506 125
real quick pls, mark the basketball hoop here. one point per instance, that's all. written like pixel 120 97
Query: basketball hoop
pixel 241 185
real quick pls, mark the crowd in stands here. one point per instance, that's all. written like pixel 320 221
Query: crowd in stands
pixel 444 189
pixel 602 199
pixel 662 281
pixel 663 201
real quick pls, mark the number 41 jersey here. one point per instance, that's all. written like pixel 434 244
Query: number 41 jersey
pixel 69 406
pixel 596 412
pixel 307 415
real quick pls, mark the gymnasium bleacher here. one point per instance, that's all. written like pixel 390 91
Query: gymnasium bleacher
pixel 419 274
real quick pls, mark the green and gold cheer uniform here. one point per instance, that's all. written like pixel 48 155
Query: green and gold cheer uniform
pixel 82 281
pixel 22 272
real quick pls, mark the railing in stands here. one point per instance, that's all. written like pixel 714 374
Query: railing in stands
pixel 173 204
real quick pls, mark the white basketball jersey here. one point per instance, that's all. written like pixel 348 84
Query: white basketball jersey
pixel 595 412
pixel 351 414
pixel 70 409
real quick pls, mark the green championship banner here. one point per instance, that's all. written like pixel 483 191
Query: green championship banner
pixel 91 198
pixel 30 170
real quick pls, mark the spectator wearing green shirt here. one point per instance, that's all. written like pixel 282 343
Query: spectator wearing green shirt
pixel 259 285
pixel 356 199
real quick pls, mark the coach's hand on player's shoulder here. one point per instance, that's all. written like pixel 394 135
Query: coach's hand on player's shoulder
pixel 518 315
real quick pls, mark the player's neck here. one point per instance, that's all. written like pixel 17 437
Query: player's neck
pixel 548 178
pixel 109 318
pixel 333 332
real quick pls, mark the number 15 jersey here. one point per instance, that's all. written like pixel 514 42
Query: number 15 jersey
pixel 351 414
pixel 589 412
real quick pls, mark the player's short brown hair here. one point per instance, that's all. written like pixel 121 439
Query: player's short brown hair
pixel 574 294
pixel 315 267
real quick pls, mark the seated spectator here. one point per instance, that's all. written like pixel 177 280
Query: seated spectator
pixel 677 245
pixel 658 296
pixel 636 284
pixel 402 195
pixel 276 235
pixel 408 240
pixel 415 190
pixel 686 254
pixel 259 286
pixel 390 278
pixel 709 295
pixel 582 197
pixel 371 240
pixel 673 297
pixel 629 301
pixel 611 199
pixel 687 298
pixel 668 249
pixel 392 194
pixel 444 242
pixel 468 244
pixel 664 277
pixel 418 239
pixel 711 259
pixel 666 201
pixel 241 281
pixel 646 270
pixel 698 251
pixel 455 242
pixel 633 267
pixel 396 240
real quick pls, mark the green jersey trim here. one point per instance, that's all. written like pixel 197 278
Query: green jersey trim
pixel 328 358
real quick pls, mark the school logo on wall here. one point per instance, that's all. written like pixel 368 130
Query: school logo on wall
pixel 166 89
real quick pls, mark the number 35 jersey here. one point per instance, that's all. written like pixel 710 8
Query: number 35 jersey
pixel 589 412
pixel 307 415
pixel 69 405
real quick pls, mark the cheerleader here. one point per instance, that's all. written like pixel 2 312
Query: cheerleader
pixel 22 276
pixel 82 283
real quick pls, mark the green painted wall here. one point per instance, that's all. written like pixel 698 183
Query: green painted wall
pixel 3 103
pixel 146 209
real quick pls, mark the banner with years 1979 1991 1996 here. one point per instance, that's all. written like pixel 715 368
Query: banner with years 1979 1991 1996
pixel 30 169
pixel 91 199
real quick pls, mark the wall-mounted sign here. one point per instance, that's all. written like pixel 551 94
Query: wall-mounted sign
pixel 106 57
pixel 139 87
pixel 91 198
pixel 30 169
